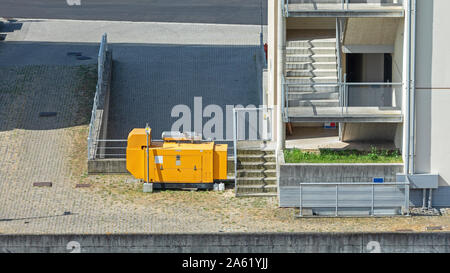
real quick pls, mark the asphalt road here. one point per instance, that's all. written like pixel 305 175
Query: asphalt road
pixel 186 11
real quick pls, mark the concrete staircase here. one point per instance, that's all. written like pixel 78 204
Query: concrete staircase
pixel 256 173
pixel 309 61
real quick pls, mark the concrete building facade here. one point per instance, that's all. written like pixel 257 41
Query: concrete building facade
pixel 378 68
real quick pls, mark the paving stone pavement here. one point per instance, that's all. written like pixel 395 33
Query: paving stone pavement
pixel 41 149
pixel 148 81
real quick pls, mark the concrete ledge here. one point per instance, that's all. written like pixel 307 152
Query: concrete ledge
pixel 231 242
pixel 107 166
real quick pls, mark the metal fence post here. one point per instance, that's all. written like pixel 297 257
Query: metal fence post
pixel 235 149
pixel 373 200
pixel 337 199
pixel 301 200
pixel 407 195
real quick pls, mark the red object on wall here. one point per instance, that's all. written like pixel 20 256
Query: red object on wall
pixel 265 49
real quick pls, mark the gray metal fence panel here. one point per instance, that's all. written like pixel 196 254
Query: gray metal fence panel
pixel 382 198
pixel 92 143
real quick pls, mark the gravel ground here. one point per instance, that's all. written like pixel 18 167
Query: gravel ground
pixel 53 149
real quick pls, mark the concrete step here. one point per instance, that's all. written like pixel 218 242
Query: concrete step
pixel 313 95
pixel 310 58
pixel 311 50
pixel 257 165
pixel 254 152
pixel 331 42
pixel 311 73
pixel 313 88
pixel 257 158
pixel 256 189
pixel 309 65
pixel 256 173
pixel 248 181
pixel 313 103
pixel 304 80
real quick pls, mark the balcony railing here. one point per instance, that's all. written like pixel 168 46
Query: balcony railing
pixel 341 5
pixel 340 102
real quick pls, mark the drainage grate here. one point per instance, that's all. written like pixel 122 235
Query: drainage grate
pixel 82 58
pixel 434 228
pixel 42 184
pixel 83 186
pixel 73 53
pixel 47 114
pixel 404 230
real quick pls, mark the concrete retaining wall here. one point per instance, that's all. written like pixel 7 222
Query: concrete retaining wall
pixel 231 243
pixel 107 166
pixel 292 174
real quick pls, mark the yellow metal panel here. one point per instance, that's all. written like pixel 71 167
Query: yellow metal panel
pixel 220 162
pixel 176 162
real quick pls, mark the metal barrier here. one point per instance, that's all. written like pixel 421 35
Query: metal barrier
pixel 338 4
pixel 110 148
pixel 379 199
pixel 116 148
pixel 92 141
pixel 360 96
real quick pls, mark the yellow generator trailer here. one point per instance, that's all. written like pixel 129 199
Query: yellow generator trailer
pixel 182 160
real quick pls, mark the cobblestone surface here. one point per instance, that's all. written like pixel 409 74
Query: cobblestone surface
pixel 148 81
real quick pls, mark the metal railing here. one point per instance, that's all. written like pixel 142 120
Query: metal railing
pixel 92 141
pixel 109 148
pixel 338 4
pixel 381 195
pixel 350 94
pixel 116 148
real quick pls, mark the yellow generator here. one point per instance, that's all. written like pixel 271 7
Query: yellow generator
pixel 182 160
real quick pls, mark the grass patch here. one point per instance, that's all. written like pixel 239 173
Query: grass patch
pixel 345 156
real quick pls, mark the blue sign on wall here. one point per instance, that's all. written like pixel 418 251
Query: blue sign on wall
pixel 378 180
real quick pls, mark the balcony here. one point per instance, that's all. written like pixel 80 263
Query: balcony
pixel 344 8
pixel 343 102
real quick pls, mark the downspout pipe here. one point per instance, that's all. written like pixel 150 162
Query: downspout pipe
pixel 408 88
pixel 413 87
pixel 281 40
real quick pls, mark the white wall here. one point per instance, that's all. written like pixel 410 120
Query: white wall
pixel 433 89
